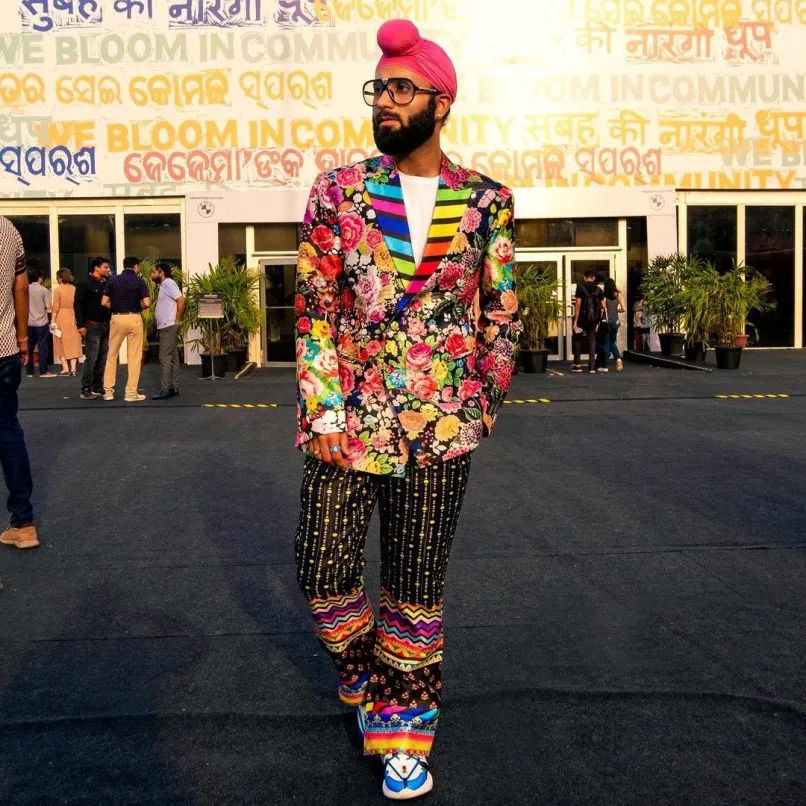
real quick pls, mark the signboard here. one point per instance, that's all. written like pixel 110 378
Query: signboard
pixel 114 98
pixel 211 306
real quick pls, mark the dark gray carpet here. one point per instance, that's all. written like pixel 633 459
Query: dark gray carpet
pixel 625 617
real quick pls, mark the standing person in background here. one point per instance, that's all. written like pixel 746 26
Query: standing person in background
pixel 126 296
pixel 38 325
pixel 614 301
pixel 170 307
pixel 14 346
pixel 589 308
pixel 92 320
pixel 67 346
pixel 640 327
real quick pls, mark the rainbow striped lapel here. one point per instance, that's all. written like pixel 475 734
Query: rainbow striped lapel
pixel 390 209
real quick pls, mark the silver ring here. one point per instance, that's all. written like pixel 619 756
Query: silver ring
pixel 335 449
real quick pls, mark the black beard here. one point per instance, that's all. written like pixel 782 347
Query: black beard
pixel 402 141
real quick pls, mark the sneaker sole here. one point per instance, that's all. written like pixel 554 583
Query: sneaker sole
pixel 21 544
pixel 408 794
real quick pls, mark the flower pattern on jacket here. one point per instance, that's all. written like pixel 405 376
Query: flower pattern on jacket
pixel 403 373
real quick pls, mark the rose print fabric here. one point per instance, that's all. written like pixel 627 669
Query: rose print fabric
pixel 397 360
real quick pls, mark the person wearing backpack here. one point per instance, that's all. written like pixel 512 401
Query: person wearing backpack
pixel 589 310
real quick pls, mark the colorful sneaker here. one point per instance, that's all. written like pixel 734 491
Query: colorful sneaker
pixel 576 368
pixel 405 777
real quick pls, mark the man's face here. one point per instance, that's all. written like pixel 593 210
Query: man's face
pixel 104 270
pixel 399 130
pixel 156 276
pixel 136 268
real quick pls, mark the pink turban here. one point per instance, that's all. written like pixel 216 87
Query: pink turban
pixel 402 45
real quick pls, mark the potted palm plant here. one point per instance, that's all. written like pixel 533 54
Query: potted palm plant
pixel 741 290
pixel 662 291
pixel 238 288
pixel 734 295
pixel 539 308
pixel 696 304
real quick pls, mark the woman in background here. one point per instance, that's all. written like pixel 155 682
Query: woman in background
pixel 67 347
pixel 615 306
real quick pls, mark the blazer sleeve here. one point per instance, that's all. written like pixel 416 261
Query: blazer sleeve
pixel 320 406
pixel 499 324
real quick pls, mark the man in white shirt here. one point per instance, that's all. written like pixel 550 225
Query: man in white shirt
pixel 169 310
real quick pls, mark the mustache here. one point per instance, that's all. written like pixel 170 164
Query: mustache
pixel 386 116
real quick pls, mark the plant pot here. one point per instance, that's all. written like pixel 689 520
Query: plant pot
pixel 695 351
pixel 728 357
pixel 235 360
pixel 214 362
pixel 741 340
pixel 671 344
pixel 534 360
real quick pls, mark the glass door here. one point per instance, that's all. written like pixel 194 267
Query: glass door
pixel 576 264
pixel 279 282
pixel 83 237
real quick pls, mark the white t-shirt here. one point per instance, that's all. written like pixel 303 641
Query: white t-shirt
pixel 167 296
pixel 419 195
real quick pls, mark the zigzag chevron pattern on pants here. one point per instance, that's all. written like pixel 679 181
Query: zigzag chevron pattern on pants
pixel 409 636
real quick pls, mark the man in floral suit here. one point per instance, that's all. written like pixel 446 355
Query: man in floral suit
pixel 397 384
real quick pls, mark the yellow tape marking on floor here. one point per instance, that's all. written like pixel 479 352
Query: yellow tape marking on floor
pixel 544 400
pixel 755 396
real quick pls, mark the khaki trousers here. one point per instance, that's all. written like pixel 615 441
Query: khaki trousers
pixel 128 326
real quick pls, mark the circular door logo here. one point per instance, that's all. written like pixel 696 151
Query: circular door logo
pixel 206 209
pixel 656 201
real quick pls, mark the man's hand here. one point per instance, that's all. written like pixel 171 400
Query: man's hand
pixel 23 345
pixel 82 331
pixel 321 449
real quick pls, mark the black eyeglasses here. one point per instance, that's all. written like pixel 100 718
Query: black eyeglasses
pixel 401 90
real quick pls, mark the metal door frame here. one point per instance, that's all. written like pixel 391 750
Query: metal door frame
pixel 617 255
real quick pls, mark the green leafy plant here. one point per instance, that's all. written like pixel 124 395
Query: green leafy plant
pixel 662 290
pixel 238 287
pixel 739 291
pixel 719 303
pixel 538 303
pixel 695 298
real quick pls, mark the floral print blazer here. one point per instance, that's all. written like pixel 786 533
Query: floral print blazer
pixel 391 352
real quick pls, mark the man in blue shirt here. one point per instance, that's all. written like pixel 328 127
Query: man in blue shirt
pixel 126 296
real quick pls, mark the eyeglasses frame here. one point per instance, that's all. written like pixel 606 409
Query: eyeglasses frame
pixel 385 82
